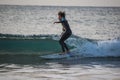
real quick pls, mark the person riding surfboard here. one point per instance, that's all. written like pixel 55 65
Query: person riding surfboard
pixel 66 31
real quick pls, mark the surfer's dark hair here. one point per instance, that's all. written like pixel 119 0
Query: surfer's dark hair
pixel 62 14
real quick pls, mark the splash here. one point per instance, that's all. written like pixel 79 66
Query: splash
pixel 92 48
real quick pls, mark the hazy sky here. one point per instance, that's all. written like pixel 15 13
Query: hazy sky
pixel 63 2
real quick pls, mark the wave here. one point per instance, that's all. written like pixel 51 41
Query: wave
pixel 81 46
pixel 92 48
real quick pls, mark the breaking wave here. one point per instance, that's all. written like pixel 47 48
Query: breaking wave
pixel 82 46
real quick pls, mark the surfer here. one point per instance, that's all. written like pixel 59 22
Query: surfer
pixel 66 31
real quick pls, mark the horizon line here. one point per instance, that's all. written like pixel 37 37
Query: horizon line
pixel 54 5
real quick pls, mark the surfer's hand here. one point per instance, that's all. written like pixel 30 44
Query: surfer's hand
pixel 54 22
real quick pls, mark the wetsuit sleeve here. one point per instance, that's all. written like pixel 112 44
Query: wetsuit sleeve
pixel 62 20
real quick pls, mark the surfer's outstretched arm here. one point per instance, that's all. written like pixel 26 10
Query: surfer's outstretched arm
pixel 57 22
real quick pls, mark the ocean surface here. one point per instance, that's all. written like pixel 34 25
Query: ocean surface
pixel 27 32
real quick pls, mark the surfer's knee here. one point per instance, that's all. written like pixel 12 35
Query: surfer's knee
pixel 61 42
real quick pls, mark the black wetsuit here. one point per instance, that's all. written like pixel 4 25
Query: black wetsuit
pixel 66 34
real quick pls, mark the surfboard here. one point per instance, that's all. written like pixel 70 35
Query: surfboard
pixel 56 56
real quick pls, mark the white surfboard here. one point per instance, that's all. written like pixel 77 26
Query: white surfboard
pixel 56 56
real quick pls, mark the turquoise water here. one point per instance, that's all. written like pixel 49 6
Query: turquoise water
pixel 35 47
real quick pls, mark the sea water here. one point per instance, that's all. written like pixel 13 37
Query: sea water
pixel 27 32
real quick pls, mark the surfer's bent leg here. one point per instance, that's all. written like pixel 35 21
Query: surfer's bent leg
pixel 62 43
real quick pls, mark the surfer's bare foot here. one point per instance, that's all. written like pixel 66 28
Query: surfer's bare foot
pixel 68 52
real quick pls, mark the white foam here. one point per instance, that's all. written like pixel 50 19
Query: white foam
pixel 91 48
